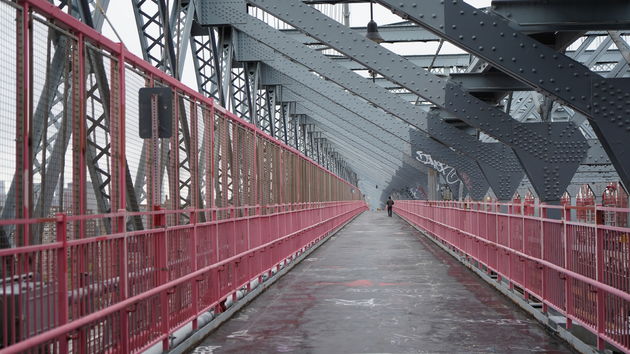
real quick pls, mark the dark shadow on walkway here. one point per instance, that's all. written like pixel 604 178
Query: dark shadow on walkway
pixel 380 286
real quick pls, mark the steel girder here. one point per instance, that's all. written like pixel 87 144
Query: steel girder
pixel 468 167
pixel 204 47
pixel 391 33
pixel 552 16
pixel 504 182
pixel 163 38
pixel 347 134
pixel 294 88
pixel 402 182
pixel 421 146
pixel 386 155
pixel 324 156
pixel 549 168
pixel 354 158
pixel 469 172
pixel 428 151
pixel 490 37
pixel 228 77
pixel 441 61
pixel 314 60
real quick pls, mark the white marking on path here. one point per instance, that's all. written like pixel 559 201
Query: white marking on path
pixel 365 303
pixel 205 349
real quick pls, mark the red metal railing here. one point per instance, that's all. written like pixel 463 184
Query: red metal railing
pixel 172 275
pixel 76 279
pixel 580 269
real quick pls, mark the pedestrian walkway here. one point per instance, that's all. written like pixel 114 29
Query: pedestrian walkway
pixel 380 286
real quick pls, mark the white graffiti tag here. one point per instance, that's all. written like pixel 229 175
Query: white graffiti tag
pixel 450 175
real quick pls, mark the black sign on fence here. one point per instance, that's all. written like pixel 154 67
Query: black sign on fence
pixel 164 111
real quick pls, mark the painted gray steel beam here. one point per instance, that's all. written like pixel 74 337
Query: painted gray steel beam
pixel 360 162
pixel 390 33
pixel 442 60
pixel 335 126
pixel 288 73
pixel 324 107
pixel 468 171
pixel 488 82
pixel 604 101
pixel 380 173
pixel 214 12
pixel 552 16
pixel 387 153
pixel 340 131
pixel 293 90
pixel 263 32
pixel 344 138
pixel 252 51
pixel 550 169
pixel 497 162
pixel 403 180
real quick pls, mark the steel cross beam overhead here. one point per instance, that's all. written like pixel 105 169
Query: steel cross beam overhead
pixel 436 155
pixel 504 182
pixel 394 33
pixel 549 153
pixel 379 151
pixel 477 184
pixel 380 160
pixel 340 132
pixel 490 37
pixel 218 13
pixel 248 46
pixel 326 97
pixel 428 152
pixel 353 138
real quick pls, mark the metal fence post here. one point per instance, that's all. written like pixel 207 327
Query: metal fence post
pixel 62 278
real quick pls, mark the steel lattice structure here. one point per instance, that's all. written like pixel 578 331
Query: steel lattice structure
pixel 295 116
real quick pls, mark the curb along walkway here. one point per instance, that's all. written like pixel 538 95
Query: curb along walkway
pixel 380 286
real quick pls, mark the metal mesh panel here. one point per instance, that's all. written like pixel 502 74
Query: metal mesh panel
pixel 8 97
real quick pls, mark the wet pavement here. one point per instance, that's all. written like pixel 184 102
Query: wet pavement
pixel 379 286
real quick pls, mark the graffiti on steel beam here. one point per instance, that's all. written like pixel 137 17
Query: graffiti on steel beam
pixel 450 174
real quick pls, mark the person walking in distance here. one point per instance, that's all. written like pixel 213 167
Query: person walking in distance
pixel 389 203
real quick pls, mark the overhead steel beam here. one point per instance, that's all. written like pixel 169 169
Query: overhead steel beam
pixel 258 52
pixel 549 170
pixel 489 36
pixel 442 60
pixel 442 159
pixel 488 82
pixel 564 15
pixel 505 181
pixel 469 170
pixel 390 33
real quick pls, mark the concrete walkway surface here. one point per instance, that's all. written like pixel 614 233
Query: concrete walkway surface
pixel 379 286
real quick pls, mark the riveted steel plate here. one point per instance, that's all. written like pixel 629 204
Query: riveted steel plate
pixel 429 151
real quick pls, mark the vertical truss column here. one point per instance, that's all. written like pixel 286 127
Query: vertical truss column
pixel 164 47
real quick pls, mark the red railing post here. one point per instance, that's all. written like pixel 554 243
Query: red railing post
pixel 568 296
pixel 62 278
pixel 124 283
pixel 599 268
pixel 194 255
pixel 543 237
pixel 163 278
